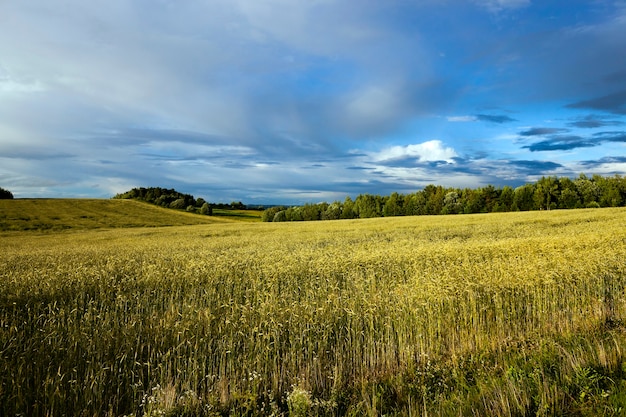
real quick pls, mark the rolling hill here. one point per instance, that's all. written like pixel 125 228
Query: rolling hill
pixel 81 214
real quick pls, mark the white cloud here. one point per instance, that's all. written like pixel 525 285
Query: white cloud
pixel 496 6
pixel 457 119
pixel 433 150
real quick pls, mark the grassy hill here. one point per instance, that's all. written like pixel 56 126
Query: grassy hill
pixel 63 214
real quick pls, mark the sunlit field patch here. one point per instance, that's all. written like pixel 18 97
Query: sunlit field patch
pixel 499 314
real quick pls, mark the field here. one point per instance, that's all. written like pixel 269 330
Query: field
pixel 64 214
pixel 500 314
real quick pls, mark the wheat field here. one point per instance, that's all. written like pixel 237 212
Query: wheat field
pixel 500 314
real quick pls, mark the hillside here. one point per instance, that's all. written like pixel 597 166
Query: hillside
pixel 64 214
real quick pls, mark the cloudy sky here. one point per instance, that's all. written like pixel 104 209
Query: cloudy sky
pixel 292 101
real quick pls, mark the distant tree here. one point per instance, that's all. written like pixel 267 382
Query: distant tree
pixel 206 209
pixel 547 193
pixel 568 198
pixel 588 190
pixel 491 197
pixel 393 205
pixel 474 201
pixel 523 198
pixel 157 195
pixel 268 214
pixel 347 211
pixel 280 216
pixel 5 194
pixel 434 198
pixel 415 204
pixel 506 199
pixel 367 205
pixel 333 212
pixel 610 195
pixel 313 211
pixel 178 204
pixel 452 203
pixel 294 214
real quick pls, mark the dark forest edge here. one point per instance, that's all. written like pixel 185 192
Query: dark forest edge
pixel 546 194
pixel 5 194
pixel 173 199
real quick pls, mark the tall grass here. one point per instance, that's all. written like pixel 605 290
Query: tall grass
pixel 511 314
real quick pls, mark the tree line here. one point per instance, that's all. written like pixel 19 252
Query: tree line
pixel 546 194
pixel 169 198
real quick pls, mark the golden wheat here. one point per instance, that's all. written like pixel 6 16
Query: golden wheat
pixel 322 318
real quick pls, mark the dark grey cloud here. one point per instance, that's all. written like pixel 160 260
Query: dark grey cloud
pixel 594 121
pixel 34 153
pixel 611 136
pixel 604 160
pixel 612 103
pixel 566 143
pixel 495 118
pixel 535 167
pixel 542 131
pixel 561 143
pixel 607 165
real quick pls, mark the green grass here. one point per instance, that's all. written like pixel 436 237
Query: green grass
pixel 243 215
pixel 510 314
pixel 65 214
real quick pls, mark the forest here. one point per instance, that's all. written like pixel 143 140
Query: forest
pixel 171 198
pixel 546 194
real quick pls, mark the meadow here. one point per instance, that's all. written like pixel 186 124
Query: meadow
pixel 509 314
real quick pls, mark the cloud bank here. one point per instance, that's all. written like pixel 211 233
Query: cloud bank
pixel 282 101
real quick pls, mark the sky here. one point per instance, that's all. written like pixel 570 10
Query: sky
pixel 296 101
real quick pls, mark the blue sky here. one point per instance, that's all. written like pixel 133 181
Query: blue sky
pixel 293 101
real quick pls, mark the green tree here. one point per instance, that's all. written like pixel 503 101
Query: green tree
pixel 237 205
pixel 332 212
pixel 588 190
pixel 474 201
pixel 415 204
pixel 206 209
pixel 367 205
pixel 178 204
pixel 610 195
pixel 568 198
pixel 294 214
pixel 434 198
pixel 347 211
pixel 523 198
pixel 280 216
pixel 313 211
pixel 268 214
pixel 546 192
pixel 452 203
pixel 490 197
pixel 393 205
pixel 506 198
